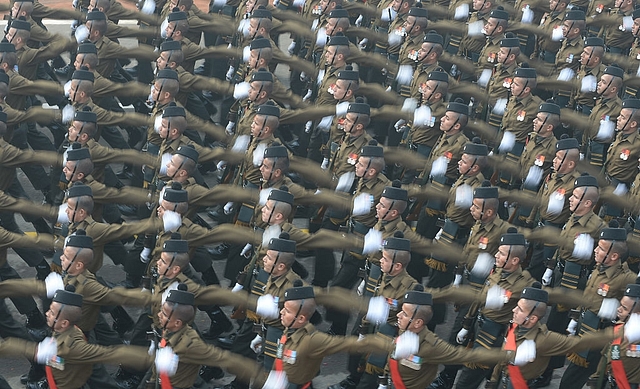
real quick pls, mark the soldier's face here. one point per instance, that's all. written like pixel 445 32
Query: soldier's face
pixel 623 120
pixel 626 305
pixel 68 170
pixel 164 205
pixel 518 86
pixel 163 263
pixel 288 313
pixel 329 55
pixel 478 4
pixel 520 312
pixel 476 209
pixel 428 92
pixel 249 6
pixel 503 53
pixel 387 263
pixel 74 130
pixel 77 63
pixel 568 30
pixel 448 121
pixel 52 314
pixel 585 57
pixel 17 10
pixel 266 169
pixel 65 260
pixel 404 316
pixel 502 256
pixel 465 164
pixel 266 211
pixel 254 56
pixel 557 160
pixel 269 260
pixel 167 320
pixel 636 27
pixel 602 254
pixel 330 27
pixel 574 200
pixel 254 90
pixel 538 122
pixel 173 165
pixel 72 213
pixel 164 128
pixel 396 5
pixel 257 125
pixel 384 211
pixel 361 166
pixel 73 91
pixel 161 61
pixel 340 89
pixel 254 27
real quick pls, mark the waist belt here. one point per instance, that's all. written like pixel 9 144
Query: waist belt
pixel 572 274
pixel 359 228
pixel 583 108
pixel 434 205
pixel 490 334
pixel 476 282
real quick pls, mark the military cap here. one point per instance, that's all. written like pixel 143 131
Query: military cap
pixel 348 74
pixel 175 194
pixel 631 103
pixel 268 109
pixel 359 107
pixel 3 116
pixel 170 45
pixel 96 14
pixel 614 232
pixel 499 13
pixel 614 71
pixel 188 151
pixel 176 15
pixel 7 47
pixel 83 74
pixel 282 244
pixel 476 147
pixel 438 75
pixel 566 143
pixel 176 244
pixel 77 152
pixel 524 72
pixel 372 150
pixel 509 40
pixel 512 238
pixel 68 296
pixel 173 110
pixel 418 296
pixel 21 24
pixel 299 292
pixel 24 1
pixel 85 115
pixel 4 77
pixel 181 296
pixel 575 14
pixel 632 290
pixel 418 11
pixel 433 37
pixel 593 41
pixel 281 194
pixel 550 107
pixel 87 48
pixel 585 180
pixel 535 293
pixel 458 107
pixel 338 40
pixel 397 242
pixel 168 74
pixel 261 13
pixel 79 189
pixel 276 150
pixel 262 74
pixel 395 192
pixel 79 239
pixel 338 13
pixel 486 191
pixel 260 43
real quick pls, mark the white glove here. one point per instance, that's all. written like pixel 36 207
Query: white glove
pixel 46 350
pixel 546 278
pixel 241 144
pixel 306 97
pixel 67 88
pixel 475 28
pixel 507 142
pixel 82 33
pixel 345 182
pixel 484 78
pixel 606 129
pixel 566 74
pixel 378 311
pixel 362 204
pixel 325 164
pixel 582 154
pixel 495 298
pixel 303 76
pixel 457 280
pixel 145 255
pixel 267 307
pixel 571 328
pixel 241 91
pixel 276 380
pixel 608 309
pixel 341 108
pixel 500 106
pixel 358 21
pixel 243 27
pixel 462 12
pixel 163 28
pixel 228 208
pixel 246 249
pixel 620 190
pixel 148 7
pixel 583 247
pixel 157 123
pixel 321 37
pixel 152 348
pixel 164 160
pixel 409 105
pixel 325 123
pixel 527 16
pixel 462 335
pixel 556 203
pixel 258 154
pixel 246 53
pixel 361 287
pixel 219 3
pixel 372 241
pixel 264 196
pixel 556 34
pixel 363 43
pixel 589 84
pixel 171 220
pixel 230 73
pixel 464 196
pixel 439 166
pixel 407 344
pixel 399 124
pixel 237 287
pixel 221 165
pixel 269 233
pixel 632 328
pixel 68 112
pixel 394 39
pixel 256 344
pixel 423 117
pixel 166 361
pixel 404 76
pixel 525 353
pixel 388 14
pixel 534 176
pixel 53 283
pixel 484 264
pixel 62 214
pixel 291 48
pixel 627 23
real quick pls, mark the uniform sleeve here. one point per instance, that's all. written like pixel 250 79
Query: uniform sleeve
pixel 124 195
pixel 86 353
pixel 128 89
pixel 12 204
pixel 11 239
pixel 557 344
pixel 103 233
pixel 18 348
pixel 39 87
pixel 441 352
pixel 223 233
pixel 22 288
pixel 321 344
pixel 302 115
pixel 98 294
pixel 115 31
pixel 202 196
pixel 214 294
pixel 190 82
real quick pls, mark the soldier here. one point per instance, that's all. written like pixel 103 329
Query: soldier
pixel 348 141
pixel 471 45
pixel 549 41
pixel 411 35
pixel 590 71
pixel 498 84
pixel 618 36
pixel 493 31
pixel 569 53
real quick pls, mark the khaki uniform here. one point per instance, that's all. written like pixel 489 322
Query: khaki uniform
pixel 451 147
pixel 610 282
pixel 568 56
pixel 388 228
pixel 420 76
pixel 346 156
pixel 103 87
pixel 109 51
pixel 538 152
pixel 608 109
pixel 587 224
pixel 111 118
pixel 586 98
pixel 472 45
pixel 19 87
pixel 622 158
pixel 29 59
pixel 411 45
pixel 374 187
pixel 484 238
pixel 102 155
pixel 33 114
pixel 628 354
pixel 276 286
pixel 545 47
pixel 519 114
pixel 555 185
pixel 489 54
pixel 428 136
pixel 11 240
pixel 461 215
pixel 397 23
pixel 18 205
pixel 614 36
pixel 513 283
pixel 248 171
pixel 499 85
pixel 330 76
pixel 11 157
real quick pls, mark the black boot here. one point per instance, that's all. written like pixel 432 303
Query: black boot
pixel 131 281
pixel 220 323
pixel 36 373
pixel 346 383
pixel 126 379
pixel 36 325
pixel 543 381
pixel 42 270
pixel 444 380
pixel 208 373
pixel 122 322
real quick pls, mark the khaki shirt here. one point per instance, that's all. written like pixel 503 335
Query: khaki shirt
pixel 484 238
pixel 538 152
pixel 388 228
pixel 568 56
pixel 614 36
pixel 428 135
pixel 420 76
pixel 603 110
pixel 473 44
pixel 519 114
pixel 628 357
pixel 586 98
pixel 12 157
pixel 276 286
pixel 556 185
pixel 489 54
pixel 330 76
pixel 374 187
pixel 19 87
pixel 451 147
pixel 345 158
pixel 462 215
pixel 109 51
pixel 410 45
pixel 622 157
pixel 587 224
pixel 548 23
pixel 29 59
pixel 513 283
pixel 610 282
pixel 499 85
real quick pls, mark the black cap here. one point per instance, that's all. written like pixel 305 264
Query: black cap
pixel 418 296
pixel 79 239
pixel 499 13
pixel 566 143
pixel 276 151
pixel 188 151
pixel 632 290
pixel 395 192
pixel 616 234
pixel 348 74
pixel 79 189
pixel 359 107
pixel 585 180
pixel 594 41
pixel 281 194
pixel 338 40
pixel 96 14
pixel 614 71
pixel 261 13
pixel 87 48
pixel 549 107
pixel 438 75
pixel 458 107
pixel 21 24
pixel 372 150
pixel 7 47
pixel 418 11
pixel 176 15
pixel 486 191
pixel 512 238
pixel 176 244
pixel 68 296
pixel 170 45
pixel 631 103
pixel 523 72
pixel 167 74
pixel 282 244
pixel 433 37
pixel 173 110
pixel 175 194
pixel 510 40
pixel 4 77
pixel 535 293
pixel 476 147
pixel 83 74
pixel 181 296
pixel 262 74
pixel 397 242
pixel 268 109
pixel 575 14
pixel 299 292
pixel 259 42
pixel 76 152
pixel 85 115
pixel 338 13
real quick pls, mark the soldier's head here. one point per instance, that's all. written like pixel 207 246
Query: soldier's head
pixel 346 85
pixel 484 207
pixel 567 155
pixel 610 82
pixel 260 23
pixel 525 80
pixel 509 49
pixel 21 8
pixel 416 21
pixel 624 5
pixel 531 307
pixel 96 24
pixel 585 195
pixel 326 6
pixel 178 309
pixel 278 207
pixel 174 257
pixel 512 250
pixel 371 161
pixel 592 52
pixel 182 5
pixel 474 158
pixel 182 164
pixel 337 21
pixel 356 119
pixel 79 202
pixel 100 5
pixel 77 254
pixel 266 121
pixel 281 253
pixel 165 87
pixel 402 6
pixel 87 55
pixel 557 6
pixel 176 26
pixel 431 48
pixel 171 55
pixel 81 86
pixel 260 86
pixel 250 5
pixel 260 53
pixel 396 254
pixel 627 122
pixel 416 310
pixel 635 30
pixel 629 302
pixel 455 118
pixel 275 163
pixel 299 306
pixel 173 199
pixel 173 122
pixel 65 310
pixel 612 245
pixel 573 25
pixel 482 6
pixel 337 51
pixel 547 119
pixel 392 203
pixel 8 56
pixel 78 165
pixel 19 33
pixel 435 88
pixel 497 23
